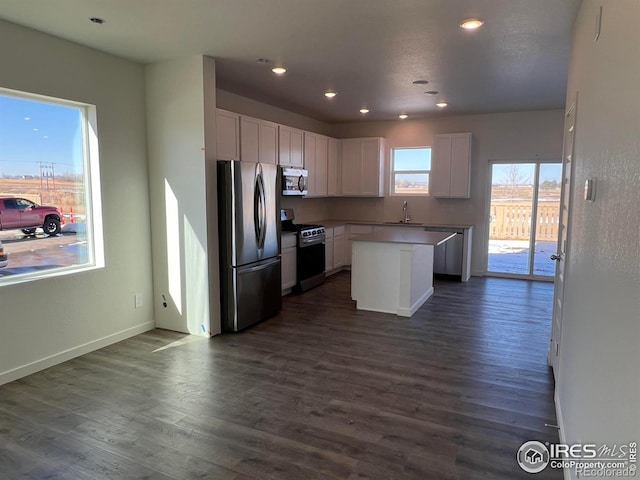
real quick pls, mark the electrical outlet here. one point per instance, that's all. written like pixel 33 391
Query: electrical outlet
pixel 138 300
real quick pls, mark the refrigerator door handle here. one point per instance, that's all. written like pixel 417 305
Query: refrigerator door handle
pixel 259 208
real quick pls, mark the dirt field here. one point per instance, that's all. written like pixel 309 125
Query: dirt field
pixel 67 195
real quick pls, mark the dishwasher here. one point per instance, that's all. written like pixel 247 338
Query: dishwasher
pixel 447 258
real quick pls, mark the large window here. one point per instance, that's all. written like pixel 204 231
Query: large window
pixel 49 188
pixel 410 169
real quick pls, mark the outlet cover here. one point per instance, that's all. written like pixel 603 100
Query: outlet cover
pixel 138 300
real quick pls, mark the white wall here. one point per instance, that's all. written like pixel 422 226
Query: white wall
pixel 50 320
pixel 181 135
pixel 501 136
pixel 599 385
pixel 252 108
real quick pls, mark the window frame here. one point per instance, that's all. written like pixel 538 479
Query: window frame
pixel 91 190
pixel 393 172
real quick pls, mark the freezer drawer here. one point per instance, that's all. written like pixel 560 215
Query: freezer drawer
pixel 251 294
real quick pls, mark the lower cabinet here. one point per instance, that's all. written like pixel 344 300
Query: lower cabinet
pixel 288 262
pixel 334 249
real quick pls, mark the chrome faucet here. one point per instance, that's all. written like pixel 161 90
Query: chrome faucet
pixel 405 210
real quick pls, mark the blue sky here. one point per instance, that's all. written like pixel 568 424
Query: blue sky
pixel 32 132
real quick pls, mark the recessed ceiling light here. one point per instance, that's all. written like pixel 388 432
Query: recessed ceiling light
pixel 97 20
pixel 278 70
pixel 402 116
pixel 263 60
pixel 431 92
pixel 442 104
pixel 421 82
pixel 471 23
pixel 330 94
pixel 364 110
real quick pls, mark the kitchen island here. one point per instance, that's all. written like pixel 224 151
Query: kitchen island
pixel 392 271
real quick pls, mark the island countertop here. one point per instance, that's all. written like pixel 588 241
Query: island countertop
pixel 407 236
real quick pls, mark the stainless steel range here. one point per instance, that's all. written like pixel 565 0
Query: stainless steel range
pixel 310 251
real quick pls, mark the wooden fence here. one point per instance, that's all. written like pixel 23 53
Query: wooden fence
pixel 512 220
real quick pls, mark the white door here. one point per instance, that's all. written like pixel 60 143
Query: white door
pixel 563 230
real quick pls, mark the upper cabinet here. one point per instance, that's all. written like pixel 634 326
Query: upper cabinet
pixel 258 141
pixel 362 167
pixel 290 147
pixel 316 150
pixel 451 166
pixel 227 135
pixel 333 167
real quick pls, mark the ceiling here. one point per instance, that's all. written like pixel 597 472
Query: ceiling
pixel 369 51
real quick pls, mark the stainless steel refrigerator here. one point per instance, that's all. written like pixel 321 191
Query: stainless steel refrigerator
pixel 249 234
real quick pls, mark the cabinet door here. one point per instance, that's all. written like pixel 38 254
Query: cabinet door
pixel 310 161
pixel 249 139
pixel 441 166
pixel 288 264
pixel 459 183
pixel 328 255
pixel 284 145
pixel 370 168
pixel 332 168
pixel 321 165
pixel 296 149
pixel 350 167
pixel 339 245
pixel 268 143
pixel 227 135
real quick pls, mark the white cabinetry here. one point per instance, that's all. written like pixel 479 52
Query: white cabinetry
pixel 290 147
pixel 333 168
pixel 227 135
pixel 258 141
pixel 362 167
pixel 451 166
pixel 328 250
pixel 339 246
pixel 288 261
pixel 334 248
pixel 316 162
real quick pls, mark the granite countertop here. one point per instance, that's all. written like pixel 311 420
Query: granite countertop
pixel 408 236
pixel 330 223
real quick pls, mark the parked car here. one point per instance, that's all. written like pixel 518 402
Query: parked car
pixel 20 213
pixel 4 259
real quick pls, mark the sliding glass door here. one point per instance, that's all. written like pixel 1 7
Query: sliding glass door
pixel 523 219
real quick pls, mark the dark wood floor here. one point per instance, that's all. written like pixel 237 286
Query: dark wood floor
pixel 320 391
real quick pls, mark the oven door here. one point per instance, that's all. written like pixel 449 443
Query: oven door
pixel 310 265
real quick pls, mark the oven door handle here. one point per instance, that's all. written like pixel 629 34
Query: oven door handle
pixel 311 243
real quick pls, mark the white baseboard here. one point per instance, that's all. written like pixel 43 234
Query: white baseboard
pixel 55 359
pixel 408 312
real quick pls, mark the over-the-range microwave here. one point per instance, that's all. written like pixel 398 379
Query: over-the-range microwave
pixel 294 181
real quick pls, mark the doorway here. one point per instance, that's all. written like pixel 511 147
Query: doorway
pixel 524 210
